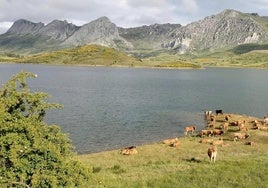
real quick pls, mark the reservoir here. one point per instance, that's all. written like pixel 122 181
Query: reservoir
pixel 108 108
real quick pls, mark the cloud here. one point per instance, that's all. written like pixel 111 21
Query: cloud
pixel 124 13
pixel 4 26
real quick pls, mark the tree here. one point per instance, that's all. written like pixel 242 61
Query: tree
pixel 32 153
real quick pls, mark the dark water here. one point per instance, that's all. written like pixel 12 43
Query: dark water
pixel 108 108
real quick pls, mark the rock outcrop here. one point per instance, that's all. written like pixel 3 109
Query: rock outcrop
pixel 227 29
pixel 58 30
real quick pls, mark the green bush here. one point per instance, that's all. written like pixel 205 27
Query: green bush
pixel 32 153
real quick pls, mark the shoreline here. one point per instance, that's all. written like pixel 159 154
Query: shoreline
pixel 113 66
pixel 142 67
pixel 249 118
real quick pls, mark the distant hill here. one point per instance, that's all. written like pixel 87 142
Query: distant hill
pixel 224 30
pixel 84 55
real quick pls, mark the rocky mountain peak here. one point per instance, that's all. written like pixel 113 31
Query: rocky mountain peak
pixel 59 30
pixel 228 28
pixel 100 31
pixel 23 27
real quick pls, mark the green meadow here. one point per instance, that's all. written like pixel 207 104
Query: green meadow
pixel 188 165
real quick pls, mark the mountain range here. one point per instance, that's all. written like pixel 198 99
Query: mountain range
pixel 224 30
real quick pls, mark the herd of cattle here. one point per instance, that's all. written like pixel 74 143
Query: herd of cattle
pixel 217 124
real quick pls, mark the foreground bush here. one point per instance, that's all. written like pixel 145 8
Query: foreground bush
pixel 32 153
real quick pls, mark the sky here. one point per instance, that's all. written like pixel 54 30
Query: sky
pixel 124 13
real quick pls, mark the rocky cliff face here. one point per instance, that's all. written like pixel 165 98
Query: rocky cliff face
pixel 58 30
pixel 229 28
pixel 101 31
pixel 22 27
pixel 150 37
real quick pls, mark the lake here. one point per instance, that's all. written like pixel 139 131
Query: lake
pixel 108 108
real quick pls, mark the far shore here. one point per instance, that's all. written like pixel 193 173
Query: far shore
pixel 139 66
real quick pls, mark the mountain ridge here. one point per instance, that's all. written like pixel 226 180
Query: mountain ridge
pixel 229 28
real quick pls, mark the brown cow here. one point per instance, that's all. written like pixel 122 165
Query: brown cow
pixel 240 136
pixel 212 153
pixel 217 132
pixel 190 128
pixel 170 141
pixel 205 133
pixel 129 150
pixel 206 140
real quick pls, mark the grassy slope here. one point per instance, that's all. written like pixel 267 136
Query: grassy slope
pixel 85 55
pixel 158 165
pixel 248 55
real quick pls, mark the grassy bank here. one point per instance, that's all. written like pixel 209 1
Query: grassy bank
pixel 159 165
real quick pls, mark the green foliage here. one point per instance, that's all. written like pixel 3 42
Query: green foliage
pixel 32 153
pixel 244 48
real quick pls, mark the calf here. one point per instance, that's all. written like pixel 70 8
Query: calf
pixel 212 153
pixel 190 128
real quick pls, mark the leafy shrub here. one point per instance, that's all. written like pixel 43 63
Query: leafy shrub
pixel 33 154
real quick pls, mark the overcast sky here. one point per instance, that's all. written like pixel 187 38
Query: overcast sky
pixel 124 13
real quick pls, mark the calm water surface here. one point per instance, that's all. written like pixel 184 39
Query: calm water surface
pixel 108 108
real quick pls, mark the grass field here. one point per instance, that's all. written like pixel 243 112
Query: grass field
pixel 159 165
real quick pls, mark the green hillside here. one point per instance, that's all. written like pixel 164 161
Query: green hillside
pixel 246 55
pixel 95 55
pixel 85 55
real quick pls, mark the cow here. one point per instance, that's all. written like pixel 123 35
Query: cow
pixel 262 128
pixel 174 142
pixel 219 112
pixel 170 141
pixel 129 150
pixel 208 113
pixel 212 153
pixel 240 136
pixel 206 140
pixel 205 133
pixel 190 128
pixel 225 127
pixel 227 118
pixel 217 132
